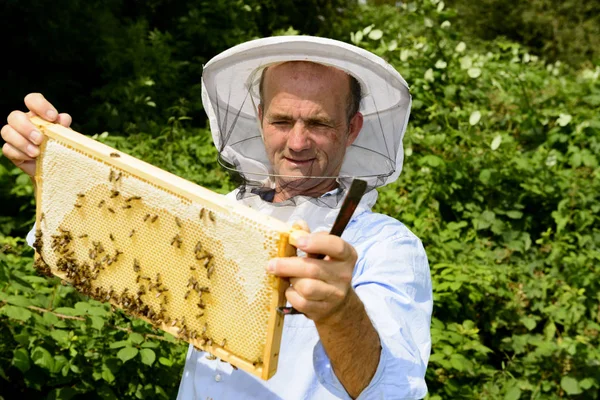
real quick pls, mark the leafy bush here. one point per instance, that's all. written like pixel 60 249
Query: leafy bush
pixel 501 182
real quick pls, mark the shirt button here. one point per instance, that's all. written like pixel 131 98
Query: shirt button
pixel 218 377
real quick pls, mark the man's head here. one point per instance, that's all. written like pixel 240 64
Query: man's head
pixel 309 116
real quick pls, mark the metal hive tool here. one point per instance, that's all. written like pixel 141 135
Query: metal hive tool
pixel 187 260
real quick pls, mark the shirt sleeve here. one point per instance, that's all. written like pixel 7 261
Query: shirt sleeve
pixel 30 238
pixel 393 281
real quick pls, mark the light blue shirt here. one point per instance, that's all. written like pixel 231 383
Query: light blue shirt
pixel 393 281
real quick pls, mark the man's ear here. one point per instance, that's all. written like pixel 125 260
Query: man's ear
pixel 356 124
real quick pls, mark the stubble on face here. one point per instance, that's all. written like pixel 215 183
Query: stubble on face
pixel 305 125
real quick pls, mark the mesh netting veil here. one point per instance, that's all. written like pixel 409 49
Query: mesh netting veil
pixel 231 95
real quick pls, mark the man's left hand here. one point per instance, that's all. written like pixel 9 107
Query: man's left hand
pixel 319 288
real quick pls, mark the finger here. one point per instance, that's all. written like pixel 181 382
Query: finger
pixel 38 104
pixel 64 119
pixel 15 155
pixel 315 290
pixel 305 306
pixel 301 267
pixel 329 245
pixel 20 123
pixel 301 224
pixel 19 143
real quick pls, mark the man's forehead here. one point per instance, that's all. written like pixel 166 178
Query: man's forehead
pixel 303 70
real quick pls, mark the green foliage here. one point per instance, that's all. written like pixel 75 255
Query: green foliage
pixel 565 30
pixel 501 182
pixel 56 344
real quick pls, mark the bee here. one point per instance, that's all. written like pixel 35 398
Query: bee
pixel 136 265
pixel 187 294
pixel 158 295
pixel 223 342
pixel 204 328
pixel 211 216
pixel 257 362
pixel 137 279
pixel 84 235
pixel 154 218
pixel 209 342
pixel 133 198
pixel 115 155
pixel 200 315
pixel 101 203
pixel 42 217
pixel 158 278
pixel 111 210
pixel 234 367
pixel 132 232
pixel 178 221
pixel 126 206
pixel 118 176
pixel 146 278
pixel 110 235
pixel 201 305
pixel 111 175
pixel 77 205
pixel 210 271
pixel 146 217
pixel 210 357
pixel 175 239
pixel 114 193
pixel 198 247
pixel 192 268
pixel 174 322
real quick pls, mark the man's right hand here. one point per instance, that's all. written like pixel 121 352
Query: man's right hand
pixel 22 137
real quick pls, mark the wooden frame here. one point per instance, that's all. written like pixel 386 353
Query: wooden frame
pixel 188 190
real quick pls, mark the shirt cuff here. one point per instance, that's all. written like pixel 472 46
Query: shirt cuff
pixel 330 381
pixel 30 238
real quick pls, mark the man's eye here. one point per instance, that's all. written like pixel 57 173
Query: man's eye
pixel 280 123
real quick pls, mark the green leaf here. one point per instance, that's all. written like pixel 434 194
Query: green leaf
pixel 61 337
pixel 148 356
pixel 485 175
pixel 514 214
pixel 375 34
pixel 496 142
pixel 514 393
pixel 586 383
pixel 564 119
pixel 528 322
pixel 119 344
pixel 21 359
pixel 570 385
pixel 136 338
pixel 127 353
pixel 475 117
pixel 165 361
pixel 42 358
pixel 107 374
pixel 14 312
pixel 97 322
pixel 474 72
pixel 18 301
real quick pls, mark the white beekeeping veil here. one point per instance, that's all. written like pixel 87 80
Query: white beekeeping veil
pixel 230 95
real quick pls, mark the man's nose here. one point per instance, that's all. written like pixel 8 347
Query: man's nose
pixel 298 139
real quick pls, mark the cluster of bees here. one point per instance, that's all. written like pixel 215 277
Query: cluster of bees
pixel 81 275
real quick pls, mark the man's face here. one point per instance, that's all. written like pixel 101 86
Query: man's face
pixel 304 120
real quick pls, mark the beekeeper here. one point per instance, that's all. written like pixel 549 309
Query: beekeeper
pixel 297 118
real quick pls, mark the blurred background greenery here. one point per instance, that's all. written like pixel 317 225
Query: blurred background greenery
pixel 501 177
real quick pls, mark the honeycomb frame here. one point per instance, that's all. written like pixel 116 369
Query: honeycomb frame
pixel 142 206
